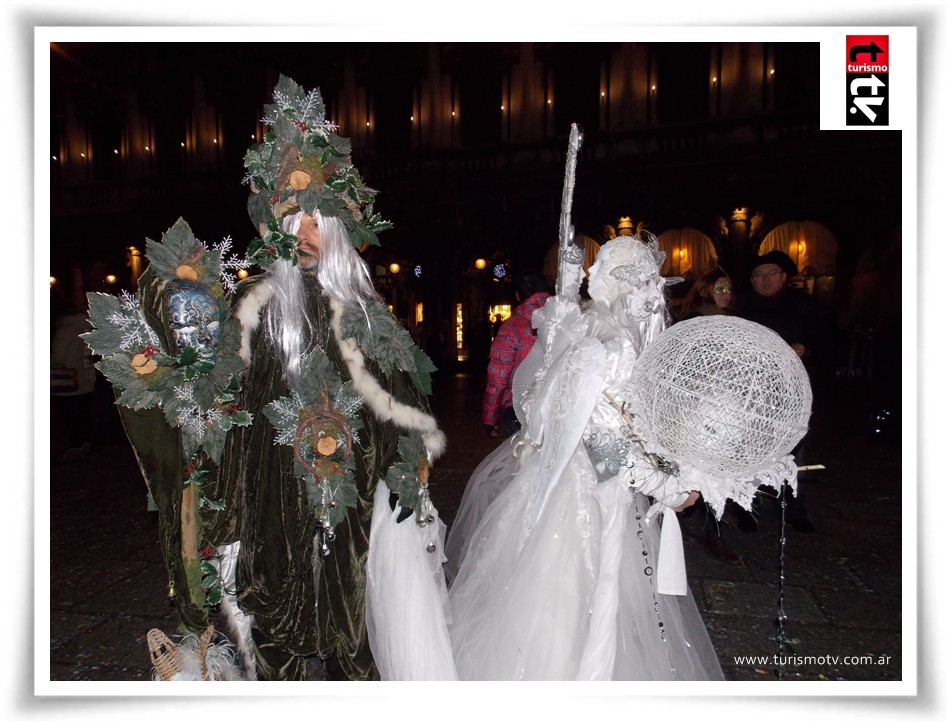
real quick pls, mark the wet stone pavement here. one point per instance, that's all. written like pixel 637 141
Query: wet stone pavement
pixel 842 582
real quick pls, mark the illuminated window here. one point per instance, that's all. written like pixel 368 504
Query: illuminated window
pixel 499 313
pixel 418 313
pixel 459 342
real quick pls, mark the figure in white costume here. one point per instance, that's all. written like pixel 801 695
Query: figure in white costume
pixel 559 577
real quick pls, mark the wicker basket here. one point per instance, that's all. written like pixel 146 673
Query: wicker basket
pixel 166 654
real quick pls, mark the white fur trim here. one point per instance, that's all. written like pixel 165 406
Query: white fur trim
pixel 248 313
pixel 382 403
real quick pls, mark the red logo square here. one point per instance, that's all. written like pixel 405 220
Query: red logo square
pixel 867 54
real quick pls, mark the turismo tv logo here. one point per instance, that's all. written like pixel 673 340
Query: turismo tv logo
pixel 867 80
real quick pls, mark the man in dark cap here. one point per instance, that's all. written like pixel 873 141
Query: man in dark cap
pixel 775 304
pixel 786 310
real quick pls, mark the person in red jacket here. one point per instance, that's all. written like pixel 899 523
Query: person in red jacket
pixel 511 345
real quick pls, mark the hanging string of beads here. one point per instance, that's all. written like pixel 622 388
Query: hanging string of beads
pixel 780 637
pixel 648 573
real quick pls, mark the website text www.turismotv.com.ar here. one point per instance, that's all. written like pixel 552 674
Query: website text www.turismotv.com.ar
pixel 792 660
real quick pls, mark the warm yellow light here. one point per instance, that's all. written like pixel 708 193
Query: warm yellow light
pixel 55 159
pixel 625 226
pixel 418 313
pixel 147 148
pixel 52 281
pixel 502 106
pixel 549 101
pixel 772 72
pixel 367 124
pixel 110 278
pixel 480 263
pixel 715 79
pixel 498 313
pixel 453 113
pixel 182 144
pixel 603 93
pixel 115 151
pixel 412 118
pixel 83 154
pixel 682 254
pixel 653 87
pixel 242 273
pixel 394 268
pixel 215 140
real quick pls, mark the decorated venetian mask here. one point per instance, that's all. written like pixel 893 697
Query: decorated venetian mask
pixel 193 316
pixel 723 286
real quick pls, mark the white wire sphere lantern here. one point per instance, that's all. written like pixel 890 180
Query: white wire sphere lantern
pixel 723 394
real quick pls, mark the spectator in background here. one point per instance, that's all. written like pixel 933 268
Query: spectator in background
pixel 775 304
pixel 73 372
pixel 511 345
pixel 711 294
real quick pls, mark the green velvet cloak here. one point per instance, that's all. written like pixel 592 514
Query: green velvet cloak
pixel 268 511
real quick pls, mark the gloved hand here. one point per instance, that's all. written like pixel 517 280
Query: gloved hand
pixel 404 511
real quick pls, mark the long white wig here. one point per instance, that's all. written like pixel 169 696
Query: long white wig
pixel 343 275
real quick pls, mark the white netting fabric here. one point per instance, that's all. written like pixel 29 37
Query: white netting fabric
pixel 722 394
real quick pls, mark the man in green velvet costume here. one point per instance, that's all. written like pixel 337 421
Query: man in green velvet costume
pixel 337 391
pixel 332 404
pixel 301 574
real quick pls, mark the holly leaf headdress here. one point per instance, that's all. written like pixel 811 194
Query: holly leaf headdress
pixel 303 165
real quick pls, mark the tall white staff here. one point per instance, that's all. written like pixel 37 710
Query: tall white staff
pixel 570 256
